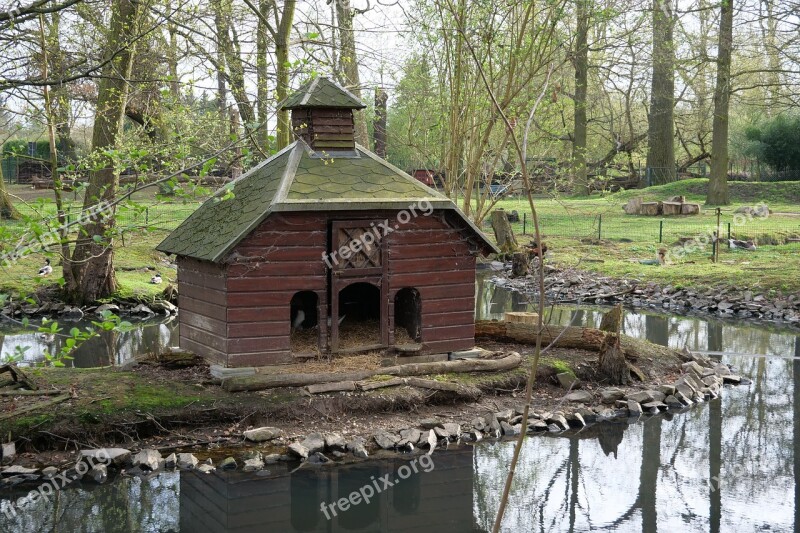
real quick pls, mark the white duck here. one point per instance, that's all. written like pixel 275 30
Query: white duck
pixel 46 270
pixel 297 323
pixel 744 245
pixel 156 280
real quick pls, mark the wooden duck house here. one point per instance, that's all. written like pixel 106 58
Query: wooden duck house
pixel 325 248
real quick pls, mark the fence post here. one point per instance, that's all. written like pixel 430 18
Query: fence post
pixel 660 231
pixel 729 231
pixel 146 216
pixel 524 222
pixel 599 226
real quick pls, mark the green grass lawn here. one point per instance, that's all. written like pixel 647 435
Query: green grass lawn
pixel 571 227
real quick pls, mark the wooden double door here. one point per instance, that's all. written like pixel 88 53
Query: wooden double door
pixel 358 255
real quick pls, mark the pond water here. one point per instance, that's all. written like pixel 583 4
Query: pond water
pixel 726 465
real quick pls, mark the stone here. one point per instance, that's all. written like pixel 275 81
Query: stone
pixel 112 308
pixel 568 380
pixel 479 423
pixel 654 404
pixel 581 396
pixel 386 440
pixel 575 419
pixel 634 408
pixel 262 434
pixel 536 425
pixel 17 470
pixel 453 429
pixel 186 461
pixel 672 401
pixel 170 461
pixel 253 465
pixel 49 472
pixel 142 309
pixel 516 420
pixel 357 448
pixel 504 415
pixel 721 369
pixel 640 397
pixel 409 436
pixel 147 460
pixel 205 469
pixel 667 390
pixel 315 442
pixel 116 456
pixel 229 463
pixel 318 458
pixel 299 450
pixel 494 427
pixel 554 428
pixel 733 379
pixel 430 423
pixel 98 473
pixel 657 396
pixel 335 442
pixel 712 381
pixel 9 452
pixel 609 396
pixel 507 429
pixel 559 420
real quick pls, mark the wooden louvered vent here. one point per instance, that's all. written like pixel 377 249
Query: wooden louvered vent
pixel 325 128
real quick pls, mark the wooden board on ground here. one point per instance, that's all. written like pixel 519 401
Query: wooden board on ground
pixel 522 317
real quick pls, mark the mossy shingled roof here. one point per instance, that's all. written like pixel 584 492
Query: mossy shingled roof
pixel 298 179
pixel 322 92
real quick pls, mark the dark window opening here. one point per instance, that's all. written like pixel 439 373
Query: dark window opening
pixel 303 318
pixel 407 317
pixel 359 316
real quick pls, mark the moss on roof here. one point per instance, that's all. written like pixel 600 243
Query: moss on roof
pixel 298 179
pixel 322 92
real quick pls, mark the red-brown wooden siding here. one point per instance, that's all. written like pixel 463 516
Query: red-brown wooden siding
pixel 244 310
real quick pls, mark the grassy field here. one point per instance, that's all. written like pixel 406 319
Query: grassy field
pixel 570 226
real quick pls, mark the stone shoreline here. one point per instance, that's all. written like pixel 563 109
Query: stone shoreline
pixel 702 379
pixel 582 287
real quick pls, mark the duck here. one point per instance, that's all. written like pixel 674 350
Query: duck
pixel 533 249
pixel 744 245
pixel 156 280
pixel 297 323
pixel 660 260
pixel 46 270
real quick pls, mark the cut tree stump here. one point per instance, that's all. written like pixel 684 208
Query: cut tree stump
pixel 520 267
pixel 690 209
pixel 612 364
pixel 671 208
pixel 612 320
pixel 522 317
pixel 651 208
pixel 503 233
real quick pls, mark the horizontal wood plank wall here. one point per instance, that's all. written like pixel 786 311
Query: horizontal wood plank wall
pixel 434 258
pixel 203 309
pixel 280 258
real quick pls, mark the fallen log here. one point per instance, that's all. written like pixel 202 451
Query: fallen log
pixel 18 376
pixel 31 392
pixel 266 381
pixel 337 386
pixel 572 337
pixel 371 385
pixel 40 405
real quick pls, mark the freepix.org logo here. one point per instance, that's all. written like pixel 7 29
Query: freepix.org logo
pixel 376 486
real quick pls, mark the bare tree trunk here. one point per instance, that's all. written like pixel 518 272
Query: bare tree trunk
pixel 7 209
pixel 349 60
pixel 718 180
pixel 262 84
pixel 580 184
pixel 503 233
pixel 92 262
pixel 380 121
pixel 221 27
pixel 661 128
pixel 236 165
pixel 172 60
pixel 282 59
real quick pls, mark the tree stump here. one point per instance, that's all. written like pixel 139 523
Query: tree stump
pixel 671 208
pixel 633 207
pixel 503 233
pixel 612 364
pixel 612 321
pixel 690 209
pixel 651 208
pixel 519 265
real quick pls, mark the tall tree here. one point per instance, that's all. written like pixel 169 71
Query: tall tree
pixel 661 128
pixel 89 273
pixel 283 25
pixel 581 54
pixel 349 63
pixel 718 180
pixel 7 209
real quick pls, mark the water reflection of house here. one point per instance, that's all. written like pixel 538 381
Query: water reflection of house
pixel 438 500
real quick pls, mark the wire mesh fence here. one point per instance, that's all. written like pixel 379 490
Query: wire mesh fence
pixel 666 230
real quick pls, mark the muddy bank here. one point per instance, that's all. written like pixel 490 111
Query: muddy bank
pixel 580 287
pixel 184 410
